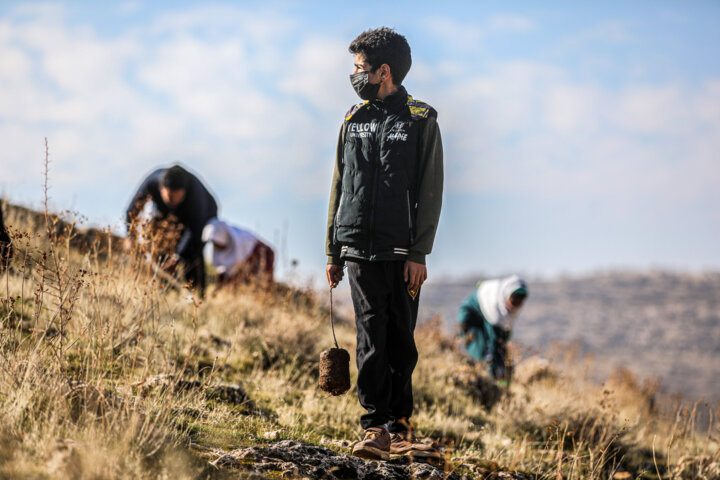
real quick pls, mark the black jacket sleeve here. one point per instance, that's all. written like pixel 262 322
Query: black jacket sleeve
pixel 197 209
pixel 150 187
pixel 332 250
pixel 430 190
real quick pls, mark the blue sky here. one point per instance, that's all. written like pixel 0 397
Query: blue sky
pixel 578 136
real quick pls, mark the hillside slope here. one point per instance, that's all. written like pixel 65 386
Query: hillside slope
pixel 108 372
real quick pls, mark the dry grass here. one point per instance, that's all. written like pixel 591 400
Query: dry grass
pixel 85 332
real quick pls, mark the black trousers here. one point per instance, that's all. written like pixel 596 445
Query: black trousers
pixel 194 271
pixel 385 316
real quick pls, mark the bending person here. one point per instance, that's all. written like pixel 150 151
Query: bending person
pixel 179 197
pixel 237 255
pixel 486 320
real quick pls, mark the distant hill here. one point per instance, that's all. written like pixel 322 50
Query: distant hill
pixel 655 323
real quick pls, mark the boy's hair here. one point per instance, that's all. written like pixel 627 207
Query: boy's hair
pixel 384 45
pixel 175 178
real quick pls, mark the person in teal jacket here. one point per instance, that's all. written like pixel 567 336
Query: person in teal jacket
pixel 486 319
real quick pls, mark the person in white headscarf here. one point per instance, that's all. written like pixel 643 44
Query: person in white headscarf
pixel 486 320
pixel 237 255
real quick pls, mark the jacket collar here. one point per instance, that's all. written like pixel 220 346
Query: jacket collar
pixel 393 102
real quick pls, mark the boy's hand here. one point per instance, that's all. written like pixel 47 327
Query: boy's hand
pixel 414 275
pixel 334 274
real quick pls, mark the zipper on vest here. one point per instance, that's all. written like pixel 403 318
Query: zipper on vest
pixel 372 206
pixel 410 225
pixel 376 176
pixel 336 221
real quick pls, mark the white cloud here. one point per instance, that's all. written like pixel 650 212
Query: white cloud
pixel 37 11
pixel 510 23
pixel 254 103
pixel 652 109
pixel 571 108
pixel 612 31
pixel 458 36
pixel 462 36
pixel 318 73
pixel 130 7
pixel 525 128
pixel 178 89
pixel 708 107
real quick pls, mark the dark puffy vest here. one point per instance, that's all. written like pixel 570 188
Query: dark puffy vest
pixel 376 214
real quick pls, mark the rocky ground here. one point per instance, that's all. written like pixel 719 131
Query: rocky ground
pixel 292 459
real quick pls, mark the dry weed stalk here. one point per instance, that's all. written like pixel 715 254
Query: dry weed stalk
pixel 79 354
pixel 62 377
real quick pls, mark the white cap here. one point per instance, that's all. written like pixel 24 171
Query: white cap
pixel 216 231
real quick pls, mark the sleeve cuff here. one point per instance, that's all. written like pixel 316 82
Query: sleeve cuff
pixel 335 261
pixel 417 257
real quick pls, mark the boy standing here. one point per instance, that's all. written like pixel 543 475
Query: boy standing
pixel 384 209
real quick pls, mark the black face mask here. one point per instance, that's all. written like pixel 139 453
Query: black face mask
pixel 363 87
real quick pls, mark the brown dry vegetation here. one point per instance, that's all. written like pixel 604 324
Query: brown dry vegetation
pixel 109 373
